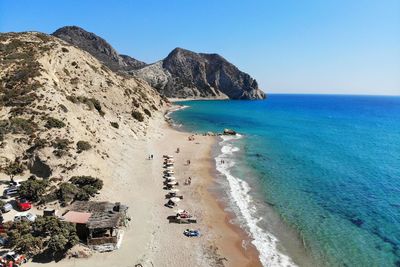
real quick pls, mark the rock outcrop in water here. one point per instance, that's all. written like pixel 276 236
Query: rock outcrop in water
pixel 182 74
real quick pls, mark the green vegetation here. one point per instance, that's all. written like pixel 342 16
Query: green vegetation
pixel 53 123
pixel 138 116
pixel 2 203
pixel 66 193
pixel 17 126
pixel 79 188
pixel 59 153
pixel 37 143
pixel 21 125
pixel 61 143
pixel 17 87
pixel 45 235
pixel 74 80
pixel 33 188
pixel 14 168
pixel 83 145
pixel 92 103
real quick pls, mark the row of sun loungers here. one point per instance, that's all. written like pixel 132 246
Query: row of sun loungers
pixel 181 216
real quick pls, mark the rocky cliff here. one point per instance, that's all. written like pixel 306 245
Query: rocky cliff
pixel 57 100
pixel 186 74
pixel 182 74
pixel 98 47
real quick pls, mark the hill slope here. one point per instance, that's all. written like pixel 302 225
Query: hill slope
pixel 186 74
pixel 98 47
pixel 182 74
pixel 53 95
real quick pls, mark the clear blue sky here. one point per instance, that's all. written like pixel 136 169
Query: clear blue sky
pixel 289 46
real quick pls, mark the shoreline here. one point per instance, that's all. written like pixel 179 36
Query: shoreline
pixel 234 236
pixel 231 236
pixel 276 243
pixel 173 100
pixel 150 239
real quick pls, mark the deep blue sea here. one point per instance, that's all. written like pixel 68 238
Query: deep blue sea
pixel 328 166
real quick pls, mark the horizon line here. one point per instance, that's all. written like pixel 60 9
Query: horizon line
pixel 322 93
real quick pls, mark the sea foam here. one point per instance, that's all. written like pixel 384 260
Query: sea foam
pixel 264 241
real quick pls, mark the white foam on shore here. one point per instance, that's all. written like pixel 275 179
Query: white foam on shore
pixel 265 242
pixel 173 109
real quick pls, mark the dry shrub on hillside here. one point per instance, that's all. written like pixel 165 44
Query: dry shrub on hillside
pixel 138 116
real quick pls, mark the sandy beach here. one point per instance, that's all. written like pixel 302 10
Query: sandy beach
pixel 150 239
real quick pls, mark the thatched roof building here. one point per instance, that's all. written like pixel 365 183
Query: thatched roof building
pixel 103 214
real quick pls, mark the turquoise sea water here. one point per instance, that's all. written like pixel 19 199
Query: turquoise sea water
pixel 328 165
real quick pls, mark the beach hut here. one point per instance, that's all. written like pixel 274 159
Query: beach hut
pixel 98 223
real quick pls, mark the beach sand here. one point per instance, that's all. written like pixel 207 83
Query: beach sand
pixel 150 239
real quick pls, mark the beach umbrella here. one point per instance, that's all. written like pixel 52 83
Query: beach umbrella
pixel 171 178
pixel 172 183
pixel 175 199
pixel 175 190
pixel 170 168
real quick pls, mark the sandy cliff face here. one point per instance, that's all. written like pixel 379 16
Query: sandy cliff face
pixel 53 95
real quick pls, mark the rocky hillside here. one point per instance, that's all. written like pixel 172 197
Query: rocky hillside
pixel 98 47
pixel 186 74
pixel 62 111
pixel 182 74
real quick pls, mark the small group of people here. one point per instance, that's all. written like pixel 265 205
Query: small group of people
pixel 151 156
pixel 188 181
pixel 222 161
pixel 191 138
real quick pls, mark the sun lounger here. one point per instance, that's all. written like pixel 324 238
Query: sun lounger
pixel 185 220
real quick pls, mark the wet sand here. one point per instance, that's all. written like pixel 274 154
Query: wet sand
pixel 133 179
